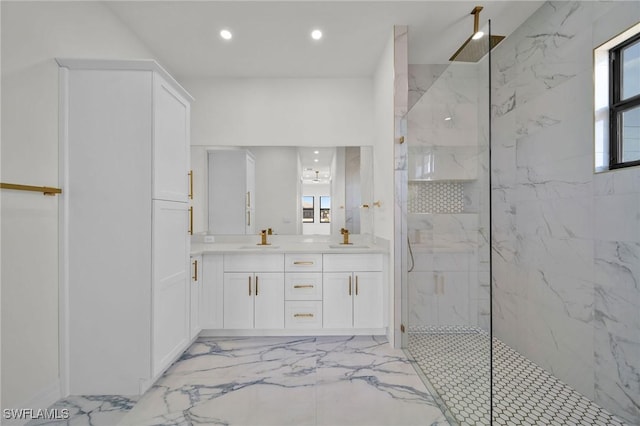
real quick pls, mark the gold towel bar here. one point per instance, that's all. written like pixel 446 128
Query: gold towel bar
pixel 46 190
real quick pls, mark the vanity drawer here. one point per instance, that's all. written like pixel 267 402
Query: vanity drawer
pixel 268 262
pixel 303 286
pixel 311 262
pixel 303 314
pixel 347 262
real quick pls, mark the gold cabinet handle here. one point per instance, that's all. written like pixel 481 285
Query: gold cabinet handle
pixel 303 262
pixel 249 199
pixel 256 285
pixel 248 218
pixel 249 285
pixel 191 220
pixel 303 315
pixel 303 286
pixel 195 270
pixel 191 184
pixel 349 285
pixel 356 285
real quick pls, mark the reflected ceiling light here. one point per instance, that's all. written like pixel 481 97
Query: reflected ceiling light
pixel 316 34
pixel 226 34
pixel 447 119
pixel 316 152
pixel 315 160
pixel 478 35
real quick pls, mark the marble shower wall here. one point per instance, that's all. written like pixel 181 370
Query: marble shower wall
pixel 566 241
pixel 447 127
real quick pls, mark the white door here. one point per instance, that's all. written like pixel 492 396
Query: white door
pixel 251 196
pixel 196 294
pixel 367 300
pixel 238 300
pixel 337 308
pixel 170 282
pixel 170 143
pixel 269 300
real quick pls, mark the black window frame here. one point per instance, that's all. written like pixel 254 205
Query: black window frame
pixel 618 106
pixel 306 217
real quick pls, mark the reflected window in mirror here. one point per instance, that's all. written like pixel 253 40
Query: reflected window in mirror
pixel 325 209
pixel 307 209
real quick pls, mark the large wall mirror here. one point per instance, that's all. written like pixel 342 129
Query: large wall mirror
pixel 292 190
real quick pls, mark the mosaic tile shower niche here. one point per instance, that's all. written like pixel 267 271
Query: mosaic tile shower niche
pixel 435 197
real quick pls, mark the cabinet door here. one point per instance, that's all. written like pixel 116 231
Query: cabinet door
pixel 212 296
pixel 196 294
pixel 170 282
pixel 170 143
pixel 238 300
pixel 269 300
pixel 337 307
pixel 367 300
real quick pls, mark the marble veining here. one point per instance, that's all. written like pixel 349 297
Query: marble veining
pixel 91 410
pixel 565 240
pixel 296 381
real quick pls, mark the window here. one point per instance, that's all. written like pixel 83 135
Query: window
pixel 325 209
pixel 307 209
pixel 617 101
pixel 624 104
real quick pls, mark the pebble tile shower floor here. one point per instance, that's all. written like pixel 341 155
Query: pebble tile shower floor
pixel 455 361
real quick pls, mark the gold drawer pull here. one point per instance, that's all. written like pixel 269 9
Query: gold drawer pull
pixel 249 286
pixel 303 315
pixel 349 285
pixel 303 286
pixel 356 285
pixel 303 262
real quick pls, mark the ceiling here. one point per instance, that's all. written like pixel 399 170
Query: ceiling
pixel 272 39
pixel 316 160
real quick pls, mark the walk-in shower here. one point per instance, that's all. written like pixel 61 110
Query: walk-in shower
pixel 449 291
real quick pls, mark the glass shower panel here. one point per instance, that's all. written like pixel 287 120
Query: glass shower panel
pixel 448 316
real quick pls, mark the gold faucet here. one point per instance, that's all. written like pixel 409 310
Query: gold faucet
pixel 263 238
pixel 269 231
pixel 345 236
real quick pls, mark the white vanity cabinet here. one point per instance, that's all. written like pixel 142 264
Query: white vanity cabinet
pixel 303 291
pixel 232 185
pixel 253 291
pixel 124 132
pixel 196 296
pixel 352 291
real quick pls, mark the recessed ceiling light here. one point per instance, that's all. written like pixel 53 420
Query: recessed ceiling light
pixel 316 160
pixel 316 34
pixel 316 152
pixel 226 34
pixel 447 119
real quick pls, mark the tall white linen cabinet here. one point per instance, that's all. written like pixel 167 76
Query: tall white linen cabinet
pixel 125 269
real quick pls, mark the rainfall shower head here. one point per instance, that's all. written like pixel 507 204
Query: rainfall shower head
pixel 477 45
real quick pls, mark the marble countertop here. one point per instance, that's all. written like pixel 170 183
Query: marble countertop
pixel 286 244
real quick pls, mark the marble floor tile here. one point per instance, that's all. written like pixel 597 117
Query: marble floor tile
pixel 288 381
pixel 101 410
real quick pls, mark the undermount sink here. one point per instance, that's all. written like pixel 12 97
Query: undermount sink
pixel 258 247
pixel 353 246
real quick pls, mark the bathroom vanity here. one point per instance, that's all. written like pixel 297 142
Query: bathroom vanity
pixel 292 288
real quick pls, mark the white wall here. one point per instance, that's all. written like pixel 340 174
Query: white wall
pixel 33 34
pixel 283 112
pixel 383 163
